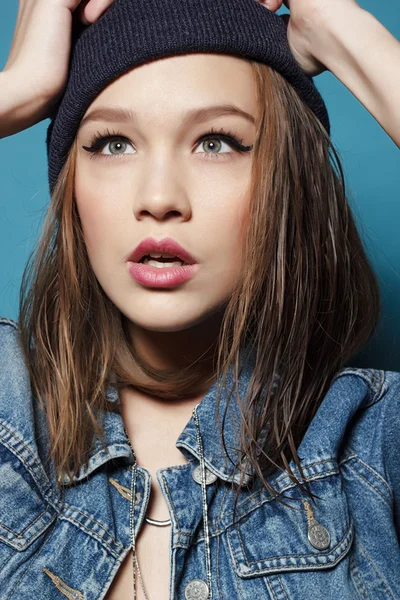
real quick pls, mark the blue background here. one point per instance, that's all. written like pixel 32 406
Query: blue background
pixel 371 163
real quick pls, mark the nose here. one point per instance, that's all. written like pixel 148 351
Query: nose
pixel 162 191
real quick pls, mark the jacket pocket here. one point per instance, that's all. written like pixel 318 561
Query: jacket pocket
pixel 24 514
pixel 273 538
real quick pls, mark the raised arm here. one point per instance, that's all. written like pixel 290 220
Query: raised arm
pixel 351 43
pixel 37 67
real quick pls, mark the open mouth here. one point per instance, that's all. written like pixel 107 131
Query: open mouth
pixel 161 262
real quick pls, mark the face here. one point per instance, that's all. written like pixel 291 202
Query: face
pixel 155 178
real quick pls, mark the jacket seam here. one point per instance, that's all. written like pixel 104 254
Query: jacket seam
pixel 20 535
pixel 269 498
pixel 31 466
pixel 370 483
pixel 280 556
pixel 357 580
pixel 33 559
pixel 48 496
pixel 374 379
pixel 373 567
pixel 301 556
pixel 281 584
pixel 5 321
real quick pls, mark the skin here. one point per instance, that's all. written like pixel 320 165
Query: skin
pixel 166 184
pixel 336 36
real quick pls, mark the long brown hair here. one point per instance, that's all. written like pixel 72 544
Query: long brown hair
pixel 307 300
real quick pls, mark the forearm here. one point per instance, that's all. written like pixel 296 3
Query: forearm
pixel 365 57
pixel 17 110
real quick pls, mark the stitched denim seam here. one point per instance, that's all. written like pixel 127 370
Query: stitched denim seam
pixel 12 554
pixel 281 584
pixel 382 580
pixel 357 472
pixel 48 495
pixel 278 479
pixel 170 501
pixel 21 535
pixel 33 559
pixel 220 509
pixel 373 378
pixel 280 556
pixel 92 533
pixel 265 500
pixel 271 587
pixel 32 468
pixel 179 467
pixel 375 474
pixel 238 585
pixel 90 518
pixel 305 468
pixel 357 580
pixel 217 543
pixel 5 321
pixel 347 458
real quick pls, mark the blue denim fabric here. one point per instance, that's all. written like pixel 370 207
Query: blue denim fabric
pixel 71 543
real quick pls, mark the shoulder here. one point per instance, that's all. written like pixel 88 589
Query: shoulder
pixel 16 409
pixel 8 330
pixel 374 435
pixel 376 392
pixel 13 369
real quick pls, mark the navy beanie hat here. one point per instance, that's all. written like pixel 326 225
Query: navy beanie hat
pixel 132 32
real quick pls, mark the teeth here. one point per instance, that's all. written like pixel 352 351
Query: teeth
pixel 161 265
pixel 154 255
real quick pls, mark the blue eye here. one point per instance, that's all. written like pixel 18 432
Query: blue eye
pixel 101 141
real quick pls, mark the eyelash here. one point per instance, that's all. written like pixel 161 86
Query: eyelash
pixel 99 141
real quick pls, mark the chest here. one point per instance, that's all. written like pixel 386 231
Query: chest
pixel 153 553
pixel 82 549
pixel 152 546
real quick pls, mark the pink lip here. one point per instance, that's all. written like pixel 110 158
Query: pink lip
pixel 160 278
pixel 164 246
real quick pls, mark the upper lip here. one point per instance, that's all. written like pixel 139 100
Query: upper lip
pixel 164 246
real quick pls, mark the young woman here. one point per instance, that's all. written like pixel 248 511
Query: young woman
pixel 190 427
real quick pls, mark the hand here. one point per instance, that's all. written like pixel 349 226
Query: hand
pixel 38 62
pixel 305 17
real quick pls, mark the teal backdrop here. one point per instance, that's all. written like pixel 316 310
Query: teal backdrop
pixel 371 163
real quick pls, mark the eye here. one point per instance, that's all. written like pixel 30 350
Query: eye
pixel 212 141
pixel 214 145
pixel 117 146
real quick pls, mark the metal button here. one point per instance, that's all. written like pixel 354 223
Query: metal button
pixel 196 590
pixel 319 536
pixel 210 477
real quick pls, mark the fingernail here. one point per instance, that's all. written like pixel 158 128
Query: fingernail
pixel 266 3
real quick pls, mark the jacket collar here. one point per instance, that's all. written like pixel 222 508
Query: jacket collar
pixel 216 459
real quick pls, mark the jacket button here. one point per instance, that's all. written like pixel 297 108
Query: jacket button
pixel 196 590
pixel 210 477
pixel 319 536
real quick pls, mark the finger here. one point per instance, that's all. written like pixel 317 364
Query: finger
pixel 81 12
pixel 93 9
pixel 272 5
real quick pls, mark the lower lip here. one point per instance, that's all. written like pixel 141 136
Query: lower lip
pixel 161 277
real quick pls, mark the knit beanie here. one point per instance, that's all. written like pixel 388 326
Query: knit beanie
pixel 132 32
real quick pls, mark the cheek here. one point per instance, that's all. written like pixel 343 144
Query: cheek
pixel 99 211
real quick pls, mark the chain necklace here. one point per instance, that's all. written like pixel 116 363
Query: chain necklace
pixel 164 523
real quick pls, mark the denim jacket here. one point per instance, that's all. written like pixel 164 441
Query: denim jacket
pixel 69 543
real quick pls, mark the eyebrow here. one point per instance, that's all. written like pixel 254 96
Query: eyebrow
pixel 194 116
